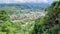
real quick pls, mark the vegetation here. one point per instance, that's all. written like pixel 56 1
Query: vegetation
pixel 50 23
pixel 12 23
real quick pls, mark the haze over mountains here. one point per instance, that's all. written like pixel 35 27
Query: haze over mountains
pixel 25 4
pixel 28 3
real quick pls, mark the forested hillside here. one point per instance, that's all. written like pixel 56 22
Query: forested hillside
pixel 25 19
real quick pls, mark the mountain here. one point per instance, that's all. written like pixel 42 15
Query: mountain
pixel 25 5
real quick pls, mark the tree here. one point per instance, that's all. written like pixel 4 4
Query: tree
pixel 5 23
pixel 3 15
pixel 51 22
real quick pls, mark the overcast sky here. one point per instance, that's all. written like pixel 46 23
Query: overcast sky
pixel 24 1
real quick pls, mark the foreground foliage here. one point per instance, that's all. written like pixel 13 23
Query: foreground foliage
pixel 50 24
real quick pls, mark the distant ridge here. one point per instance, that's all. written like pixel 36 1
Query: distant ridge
pixel 25 5
pixel 33 4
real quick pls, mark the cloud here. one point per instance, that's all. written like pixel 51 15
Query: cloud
pixel 35 1
pixel 23 1
pixel 6 1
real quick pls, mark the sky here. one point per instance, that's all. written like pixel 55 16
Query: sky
pixel 24 1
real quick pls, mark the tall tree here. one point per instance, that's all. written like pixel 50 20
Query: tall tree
pixel 50 24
